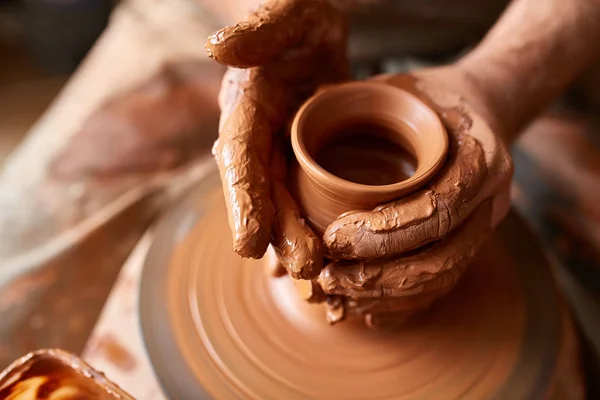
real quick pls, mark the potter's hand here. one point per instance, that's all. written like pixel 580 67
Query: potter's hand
pixel 524 62
pixel 287 48
pixel 444 223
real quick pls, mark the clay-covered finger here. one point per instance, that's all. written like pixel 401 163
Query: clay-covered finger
pixel 274 28
pixel 297 247
pixel 434 270
pixel 253 108
pixel 420 218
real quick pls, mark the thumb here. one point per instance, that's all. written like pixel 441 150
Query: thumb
pixel 275 27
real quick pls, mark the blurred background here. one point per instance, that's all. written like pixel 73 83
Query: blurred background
pixel 41 44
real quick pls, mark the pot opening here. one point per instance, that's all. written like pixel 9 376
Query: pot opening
pixel 367 153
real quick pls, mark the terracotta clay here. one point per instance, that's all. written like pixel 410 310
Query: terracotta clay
pixel 54 374
pixel 232 331
pixel 216 326
pixel 410 283
pixel 362 153
pixel 256 102
pixel 408 122
pixel 472 187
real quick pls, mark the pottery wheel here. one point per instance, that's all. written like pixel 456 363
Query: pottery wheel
pixel 216 326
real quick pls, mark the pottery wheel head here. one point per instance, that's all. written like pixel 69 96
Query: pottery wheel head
pixel 216 326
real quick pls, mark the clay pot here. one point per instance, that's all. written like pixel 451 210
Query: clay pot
pixel 407 130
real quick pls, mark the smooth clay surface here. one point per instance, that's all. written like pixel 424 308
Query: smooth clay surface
pixel 337 173
pixel 361 153
pixel 216 326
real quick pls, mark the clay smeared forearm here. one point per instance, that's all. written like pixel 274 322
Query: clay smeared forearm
pixel 530 56
pixel 419 218
pixel 435 270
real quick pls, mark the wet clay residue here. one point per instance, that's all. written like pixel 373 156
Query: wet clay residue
pixel 296 246
pixel 278 46
pixel 448 212
pixel 445 223
pixel 362 153
pixel 427 215
pixel 50 379
pixel 432 271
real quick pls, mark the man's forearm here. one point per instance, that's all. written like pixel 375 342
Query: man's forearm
pixel 531 55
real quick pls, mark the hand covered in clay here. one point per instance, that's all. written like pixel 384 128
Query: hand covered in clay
pixel 442 225
pixel 416 248
pixel 276 59
pixel 403 255
pixel 419 245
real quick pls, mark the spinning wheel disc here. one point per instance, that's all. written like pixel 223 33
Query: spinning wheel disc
pixel 216 326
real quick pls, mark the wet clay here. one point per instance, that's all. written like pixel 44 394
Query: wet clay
pixel 48 376
pixel 364 153
pixel 441 204
pixel 449 218
pixel 376 110
pixel 503 59
pixel 256 102
pixel 238 333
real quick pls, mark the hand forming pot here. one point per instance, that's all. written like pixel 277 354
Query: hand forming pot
pixel 393 115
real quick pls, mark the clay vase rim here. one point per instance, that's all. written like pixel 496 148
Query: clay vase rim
pixel 339 185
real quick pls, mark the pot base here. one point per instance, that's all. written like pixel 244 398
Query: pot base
pixel 216 326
